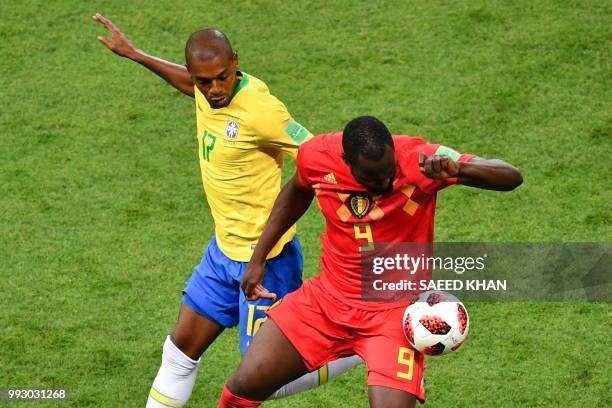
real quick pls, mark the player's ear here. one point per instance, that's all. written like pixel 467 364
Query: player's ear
pixel 235 61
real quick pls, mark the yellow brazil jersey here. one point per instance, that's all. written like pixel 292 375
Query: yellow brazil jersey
pixel 241 150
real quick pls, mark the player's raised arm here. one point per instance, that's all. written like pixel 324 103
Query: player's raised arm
pixel 175 74
pixel 489 174
pixel 291 203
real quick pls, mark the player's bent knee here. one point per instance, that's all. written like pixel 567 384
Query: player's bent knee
pixel 240 385
pixel 247 383
pixel 194 333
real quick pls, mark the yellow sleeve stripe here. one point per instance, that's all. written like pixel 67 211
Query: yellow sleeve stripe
pixel 162 399
pixel 323 374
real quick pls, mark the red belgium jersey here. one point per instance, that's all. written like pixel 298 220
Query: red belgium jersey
pixel 355 219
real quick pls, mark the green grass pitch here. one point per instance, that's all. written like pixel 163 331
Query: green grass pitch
pixel 103 215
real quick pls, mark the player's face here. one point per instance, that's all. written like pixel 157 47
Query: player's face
pixel 376 176
pixel 216 78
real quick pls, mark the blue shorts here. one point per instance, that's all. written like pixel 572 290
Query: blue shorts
pixel 214 291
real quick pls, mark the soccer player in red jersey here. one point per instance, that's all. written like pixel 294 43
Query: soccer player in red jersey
pixel 371 187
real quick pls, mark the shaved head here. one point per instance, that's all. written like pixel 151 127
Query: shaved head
pixel 208 44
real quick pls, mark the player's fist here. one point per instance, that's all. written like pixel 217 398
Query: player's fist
pixel 438 167
pixel 251 283
pixel 118 42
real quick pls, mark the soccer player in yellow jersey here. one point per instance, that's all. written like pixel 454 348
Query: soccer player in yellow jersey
pixel 242 133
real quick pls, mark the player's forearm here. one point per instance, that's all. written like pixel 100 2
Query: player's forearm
pixel 175 74
pixel 290 205
pixel 490 174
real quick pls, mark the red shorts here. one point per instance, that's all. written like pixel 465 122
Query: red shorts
pixel 322 328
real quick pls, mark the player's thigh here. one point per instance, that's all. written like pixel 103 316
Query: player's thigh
pixel 271 361
pixel 194 333
pixel 391 361
pixel 385 397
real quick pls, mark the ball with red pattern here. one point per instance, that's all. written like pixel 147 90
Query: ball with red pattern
pixel 436 323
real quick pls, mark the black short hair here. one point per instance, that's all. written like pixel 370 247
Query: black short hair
pixel 367 137
pixel 208 43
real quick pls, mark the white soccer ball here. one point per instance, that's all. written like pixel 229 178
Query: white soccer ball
pixel 436 322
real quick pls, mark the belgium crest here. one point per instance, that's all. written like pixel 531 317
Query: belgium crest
pixel 360 204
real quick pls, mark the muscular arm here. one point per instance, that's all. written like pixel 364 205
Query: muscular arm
pixel 175 74
pixel 290 205
pixel 491 174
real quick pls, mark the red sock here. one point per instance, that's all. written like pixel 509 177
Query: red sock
pixel 229 400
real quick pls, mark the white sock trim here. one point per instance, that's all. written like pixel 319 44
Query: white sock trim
pixel 174 351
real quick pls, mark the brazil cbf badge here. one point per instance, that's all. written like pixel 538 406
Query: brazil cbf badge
pixel 232 129
pixel 360 204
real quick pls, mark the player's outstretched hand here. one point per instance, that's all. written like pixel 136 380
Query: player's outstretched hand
pixel 251 283
pixel 438 167
pixel 118 42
